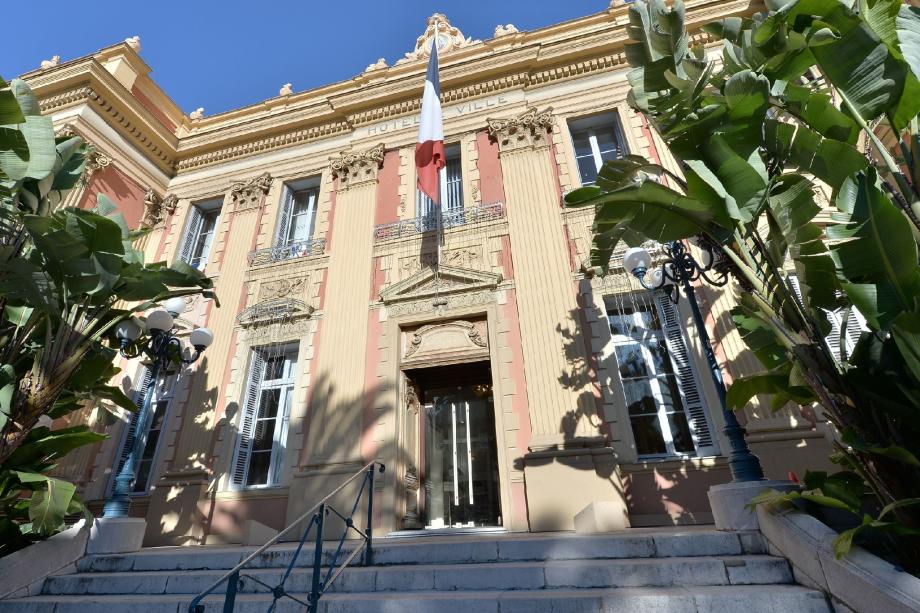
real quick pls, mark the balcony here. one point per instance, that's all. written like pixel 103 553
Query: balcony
pixel 281 253
pixel 429 223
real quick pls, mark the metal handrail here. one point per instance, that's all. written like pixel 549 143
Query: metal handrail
pixel 316 514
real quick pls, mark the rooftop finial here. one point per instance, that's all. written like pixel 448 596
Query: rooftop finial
pixel 286 90
pixel 54 61
pixel 135 43
pixel 197 113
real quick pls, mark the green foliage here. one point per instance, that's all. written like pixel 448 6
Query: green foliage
pixel 67 277
pixel 785 115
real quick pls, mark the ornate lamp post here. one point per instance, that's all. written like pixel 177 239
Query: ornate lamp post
pixel 680 268
pixel 161 347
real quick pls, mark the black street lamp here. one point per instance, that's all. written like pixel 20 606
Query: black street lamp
pixel 680 268
pixel 162 347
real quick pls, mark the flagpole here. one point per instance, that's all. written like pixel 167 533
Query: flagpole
pixel 440 220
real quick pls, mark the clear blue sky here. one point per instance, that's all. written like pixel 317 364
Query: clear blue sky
pixel 227 54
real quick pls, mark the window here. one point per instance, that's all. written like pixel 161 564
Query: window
pixel 451 186
pixel 199 233
pixel 298 218
pixel 595 139
pixel 264 419
pixel 157 416
pixel 662 395
pixel 855 326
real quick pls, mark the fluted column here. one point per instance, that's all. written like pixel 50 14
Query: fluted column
pixel 338 396
pixel 562 407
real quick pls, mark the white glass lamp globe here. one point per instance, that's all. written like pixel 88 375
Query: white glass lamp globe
pixel 636 257
pixel 201 338
pixel 655 279
pixel 159 321
pixel 128 330
pixel 175 306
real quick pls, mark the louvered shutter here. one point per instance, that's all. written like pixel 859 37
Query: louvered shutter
pixel 681 360
pixel 453 184
pixel 284 218
pixel 247 420
pixel 192 230
pixel 140 391
pixel 856 325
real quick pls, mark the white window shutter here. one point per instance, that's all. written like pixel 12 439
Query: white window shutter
pixel 140 391
pixel 247 421
pixel 190 236
pixel 681 360
pixel 855 325
pixel 284 218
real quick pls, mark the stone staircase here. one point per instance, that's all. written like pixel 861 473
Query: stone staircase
pixel 639 571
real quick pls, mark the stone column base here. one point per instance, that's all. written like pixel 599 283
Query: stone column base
pixel 728 502
pixel 116 535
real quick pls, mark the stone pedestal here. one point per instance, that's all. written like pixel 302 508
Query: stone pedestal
pixel 116 535
pixel 602 516
pixel 729 502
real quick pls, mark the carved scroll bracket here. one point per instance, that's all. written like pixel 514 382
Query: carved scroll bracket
pixel 246 195
pixel 355 168
pixel 157 209
pixel 526 131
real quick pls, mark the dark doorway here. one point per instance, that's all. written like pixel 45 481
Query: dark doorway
pixel 459 464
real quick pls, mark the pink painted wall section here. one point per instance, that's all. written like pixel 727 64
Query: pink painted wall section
pixel 678 491
pixel 491 182
pixel 332 199
pixel 379 278
pixel 127 195
pixel 148 104
pixel 519 403
pixel 506 261
pixel 387 209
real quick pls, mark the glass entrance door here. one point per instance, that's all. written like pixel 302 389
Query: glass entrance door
pixel 460 467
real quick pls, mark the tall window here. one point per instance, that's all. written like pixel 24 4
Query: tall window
pixel 596 139
pixel 264 419
pixel 665 406
pixel 160 403
pixel 451 186
pixel 199 233
pixel 298 218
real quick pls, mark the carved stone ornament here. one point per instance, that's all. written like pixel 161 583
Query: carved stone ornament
pixel 378 65
pixel 449 280
pixel 526 131
pixel 282 288
pixel 95 160
pixel 249 194
pixel 354 168
pixel 54 61
pixel 447 340
pixel 277 311
pixel 170 204
pixel 449 38
pixel 501 30
pixel 152 209
pixel 463 257
pixel 67 130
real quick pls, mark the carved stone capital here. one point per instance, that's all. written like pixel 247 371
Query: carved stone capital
pixel 95 160
pixel 526 131
pixel 249 194
pixel 354 168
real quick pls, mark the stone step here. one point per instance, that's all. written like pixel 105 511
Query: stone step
pixel 717 599
pixel 646 572
pixel 446 550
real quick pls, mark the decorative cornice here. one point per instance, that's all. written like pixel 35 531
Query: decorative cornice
pixel 246 195
pixel 526 131
pixel 355 168
pixel 262 145
pixel 449 280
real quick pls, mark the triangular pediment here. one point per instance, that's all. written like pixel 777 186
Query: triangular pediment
pixel 429 283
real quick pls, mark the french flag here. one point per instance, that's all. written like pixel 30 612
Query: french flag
pixel 429 150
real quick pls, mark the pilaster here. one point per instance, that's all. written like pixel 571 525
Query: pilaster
pixel 335 424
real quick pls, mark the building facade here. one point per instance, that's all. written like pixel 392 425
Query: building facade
pixel 504 387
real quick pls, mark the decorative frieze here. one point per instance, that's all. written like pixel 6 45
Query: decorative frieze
pixel 462 258
pixel 283 288
pixel 445 304
pixel 526 131
pixel 246 195
pixel 447 337
pixel 354 168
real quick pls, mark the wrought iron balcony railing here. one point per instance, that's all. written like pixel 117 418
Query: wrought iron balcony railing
pixel 280 253
pixel 429 223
